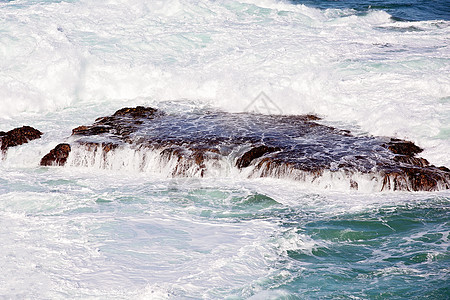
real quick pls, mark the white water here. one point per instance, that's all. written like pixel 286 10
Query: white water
pixel 387 78
pixel 79 233
pixel 150 162
pixel 87 232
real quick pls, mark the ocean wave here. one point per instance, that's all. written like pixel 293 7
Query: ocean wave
pixel 345 66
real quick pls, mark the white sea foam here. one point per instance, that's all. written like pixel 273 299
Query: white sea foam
pixel 86 232
pixel 152 162
pixel 80 233
pixel 365 70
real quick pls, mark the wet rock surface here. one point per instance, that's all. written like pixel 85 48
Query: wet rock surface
pixel 18 136
pixel 254 153
pixel 57 157
pixel 403 147
pixel 268 145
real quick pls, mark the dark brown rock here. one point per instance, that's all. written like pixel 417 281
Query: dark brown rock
pixel 295 147
pixel 94 146
pixel 417 179
pixel 136 112
pixel 254 153
pixel 57 157
pixel 18 136
pixel 122 123
pixel 80 130
pixel 170 153
pixel 108 147
pixel 445 169
pixel 403 147
pixel 417 161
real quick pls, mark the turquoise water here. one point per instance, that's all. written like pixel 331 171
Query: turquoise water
pixel 93 234
pixel 417 10
pixel 98 233
pixel 389 252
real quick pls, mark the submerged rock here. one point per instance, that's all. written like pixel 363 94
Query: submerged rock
pixel 18 136
pixel 295 147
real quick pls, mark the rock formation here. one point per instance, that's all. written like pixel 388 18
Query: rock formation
pixel 18 136
pixel 295 147
pixel 57 156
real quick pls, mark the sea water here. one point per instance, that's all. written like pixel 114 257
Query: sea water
pixel 380 68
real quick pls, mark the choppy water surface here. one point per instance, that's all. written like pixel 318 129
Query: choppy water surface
pixel 419 10
pixel 74 234
pixel 77 232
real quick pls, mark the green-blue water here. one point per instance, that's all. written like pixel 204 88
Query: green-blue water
pixel 417 10
pixel 391 252
pixel 93 233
